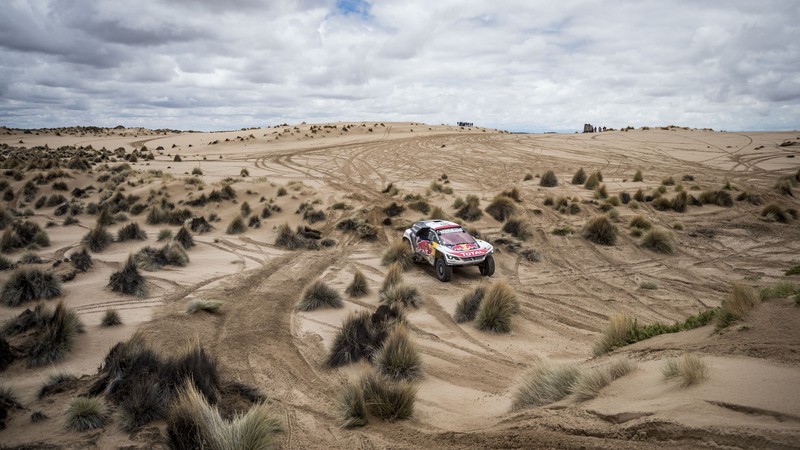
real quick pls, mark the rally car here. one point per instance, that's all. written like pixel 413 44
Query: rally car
pixel 445 244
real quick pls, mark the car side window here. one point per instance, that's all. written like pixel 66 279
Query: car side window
pixel 433 237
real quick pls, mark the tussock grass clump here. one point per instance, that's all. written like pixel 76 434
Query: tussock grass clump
pixel 721 198
pixel 97 239
pixel 519 227
pixel 394 210
pixel 470 210
pixel 30 284
pixel 562 230
pixel 354 341
pixel 6 263
pixel 590 382
pixel 661 203
pixel 659 240
pixel 319 295
pixel 501 208
pixel 641 222
pixel 513 194
pixel 543 383
pixel 467 308
pixel 601 192
pixel 81 260
pixel 420 205
pixel 498 306
pixel 437 213
pixel 579 177
pixel 600 230
pixel 131 231
pixel 352 406
pixel 594 180
pixel 386 399
pixel 393 276
pixel 86 413
pixel 111 318
pixel 401 292
pixel 56 382
pixel 650 285
pixel 358 287
pixel 689 369
pixel 399 252
pixel 210 306
pixel 738 303
pixel 128 280
pixel 398 357
pixel 637 177
pixel 793 271
pixel 164 234
pixel 193 422
pixel 615 334
pixel 781 289
pixel 55 336
pixel 680 201
pixel 773 212
pixel 184 238
pixel 237 225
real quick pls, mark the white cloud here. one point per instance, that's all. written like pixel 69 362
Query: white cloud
pixel 508 64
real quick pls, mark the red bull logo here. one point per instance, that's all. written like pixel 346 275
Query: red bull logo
pixel 424 247
pixel 464 247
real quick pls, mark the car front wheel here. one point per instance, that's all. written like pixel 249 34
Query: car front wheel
pixel 443 271
pixel 487 266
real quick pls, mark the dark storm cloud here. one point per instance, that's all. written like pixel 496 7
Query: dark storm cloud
pixel 207 64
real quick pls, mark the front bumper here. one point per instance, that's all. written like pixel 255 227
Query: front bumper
pixel 466 261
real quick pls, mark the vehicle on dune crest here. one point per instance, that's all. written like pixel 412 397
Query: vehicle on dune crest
pixel 445 244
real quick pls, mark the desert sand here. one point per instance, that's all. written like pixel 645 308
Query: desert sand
pixel 750 399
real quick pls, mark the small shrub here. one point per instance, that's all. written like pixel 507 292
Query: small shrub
pixel 97 238
pixel 688 369
pixel 111 318
pixel 528 177
pixel 637 177
pixel 579 177
pixel 164 234
pixel 721 198
pixel 393 276
pixel 401 293
pixel 319 295
pixel 244 172
pixel 738 303
pixel 30 284
pixel 131 231
pixel 680 201
pixel 501 208
pixel 773 212
pixel 399 252
pixel 438 213
pixel 467 308
pixel 593 182
pixel 659 240
pixel 641 222
pixel 601 192
pixel 548 179
pixel 619 326
pixel 669 181
pixel 197 171
pixel 128 280
pixel 399 358
pixel 793 271
pixel 543 383
pixel 781 289
pixel 651 285
pixel 562 230
pixel 661 203
pixel 470 210
pixel 237 225
pixel 352 406
pixel 592 381
pixel 358 287
pixel 184 238
pixel 639 196
pixel 519 227
pixel 81 260
pixel 497 308
pixel 421 206
pixel 600 231
pixel 210 306
pixel 86 413
pixel 245 209
pixel 55 339
pixel 388 400
pixel 56 382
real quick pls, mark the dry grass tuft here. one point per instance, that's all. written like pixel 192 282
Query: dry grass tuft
pixel 358 287
pixel 398 357
pixel 97 239
pixel 470 210
pixel 210 306
pixel 111 318
pixel 543 383
pixel 401 293
pixel 501 208
pixel 615 334
pixel 319 295
pixel 579 177
pixel 30 284
pixel 738 303
pixel 600 230
pixel 659 240
pixel 497 308
pixel 467 308
pixel 592 381
pixel 399 252
pixel 393 276
pixel 86 413
pixel 519 227
pixel 689 369
pixel 386 399
pixel 594 180
pixel 128 280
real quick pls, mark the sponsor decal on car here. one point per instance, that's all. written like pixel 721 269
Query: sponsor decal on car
pixel 470 253
pixel 464 247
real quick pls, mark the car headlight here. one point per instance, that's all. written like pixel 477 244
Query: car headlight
pixel 451 258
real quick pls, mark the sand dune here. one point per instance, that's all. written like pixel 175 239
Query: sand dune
pixel 465 397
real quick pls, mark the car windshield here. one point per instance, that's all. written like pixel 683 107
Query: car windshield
pixel 455 236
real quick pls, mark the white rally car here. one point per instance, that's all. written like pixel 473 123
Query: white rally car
pixel 445 244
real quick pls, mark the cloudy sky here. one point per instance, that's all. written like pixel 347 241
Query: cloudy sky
pixel 515 65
